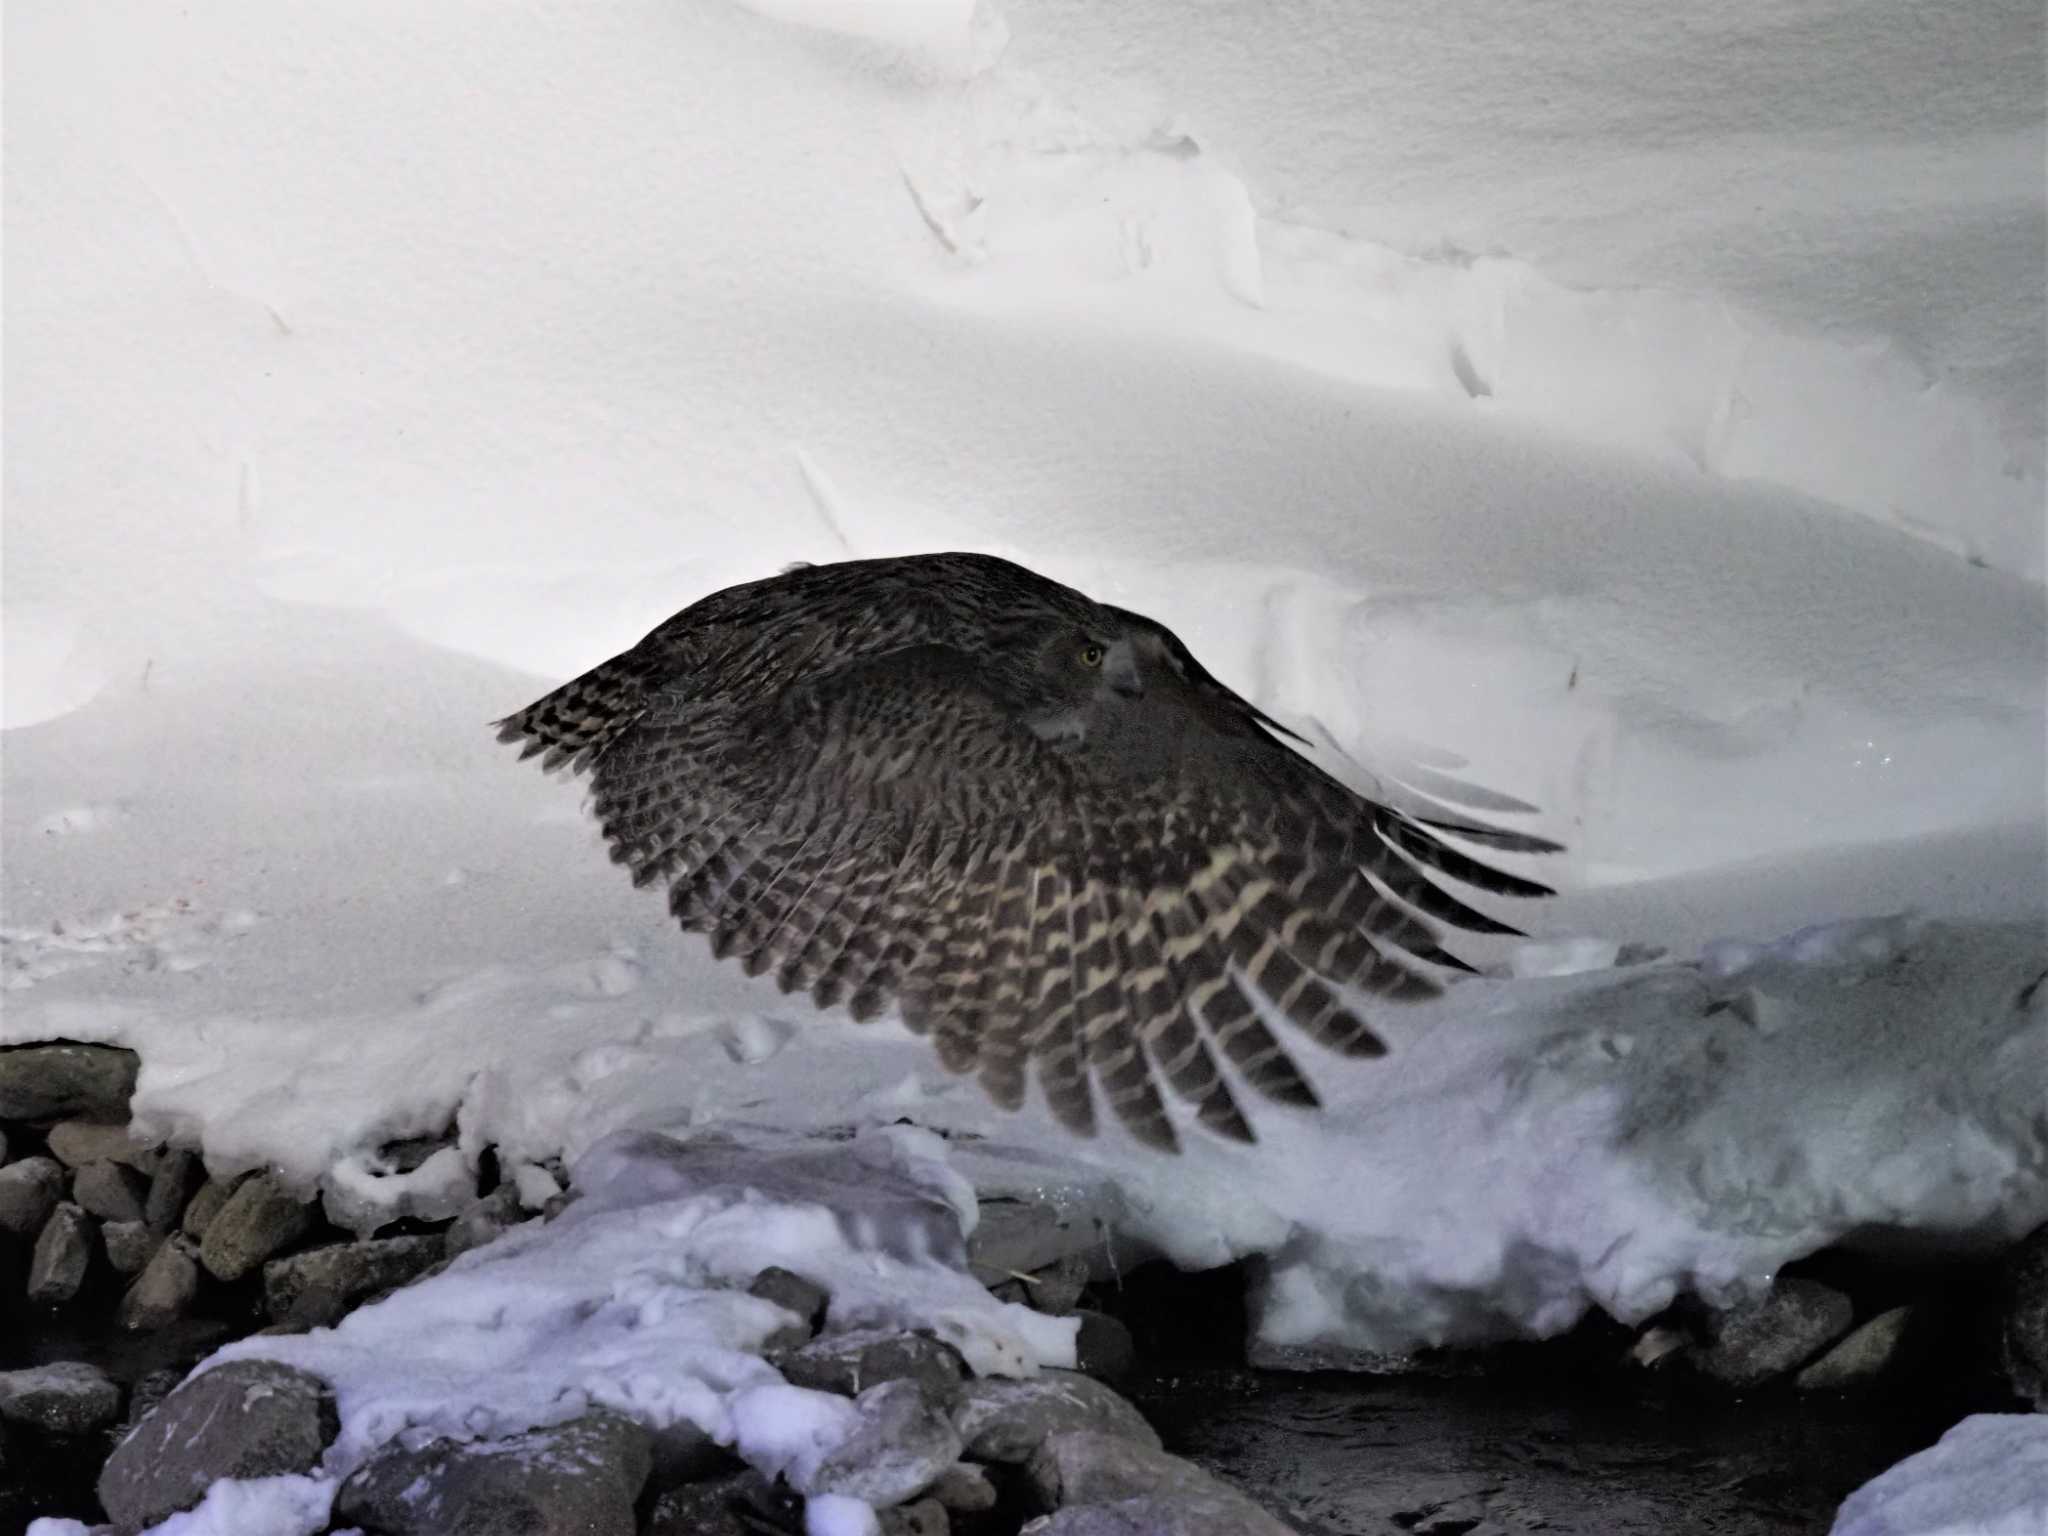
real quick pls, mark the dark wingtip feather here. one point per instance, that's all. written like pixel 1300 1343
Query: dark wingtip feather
pixel 1493 837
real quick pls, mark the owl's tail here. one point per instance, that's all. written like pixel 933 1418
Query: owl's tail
pixel 575 723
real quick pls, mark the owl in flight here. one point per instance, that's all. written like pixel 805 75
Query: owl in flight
pixel 1031 821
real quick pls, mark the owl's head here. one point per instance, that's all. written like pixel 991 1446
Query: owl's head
pixel 1074 675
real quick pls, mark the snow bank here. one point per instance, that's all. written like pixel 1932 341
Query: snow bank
pixel 1987 1477
pixel 366 403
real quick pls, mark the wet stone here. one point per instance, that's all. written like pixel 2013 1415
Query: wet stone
pixel 739 1504
pixel 849 1363
pixel 683 1453
pixel 1103 1348
pixel 898 1447
pixel 1878 1348
pixel 29 1192
pixel 1767 1338
pixel 75 1143
pixel 171 1186
pixel 965 1489
pixel 165 1290
pixel 1055 1289
pixel 63 1253
pixel 110 1191
pixel 205 1205
pixel 575 1479
pixel 69 1398
pixel 317 1288
pixel 484 1220
pixel 793 1293
pixel 129 1244
pixel 152 1389
pixel 244 1419
pixel 1022 1237
pixel 65 1080
pixel 1006 1421
pixel 1085 1467
pixel 259 1218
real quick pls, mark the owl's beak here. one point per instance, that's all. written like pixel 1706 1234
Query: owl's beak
pixel 1120 670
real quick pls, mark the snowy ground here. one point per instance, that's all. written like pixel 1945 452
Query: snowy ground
pixel 1613 409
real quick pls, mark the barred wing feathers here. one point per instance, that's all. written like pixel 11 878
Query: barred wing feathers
pixel 882 830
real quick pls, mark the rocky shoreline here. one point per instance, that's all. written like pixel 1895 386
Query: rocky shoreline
pixel 129 1264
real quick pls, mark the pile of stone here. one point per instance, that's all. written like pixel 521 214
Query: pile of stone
pixel 95 1226
pixel 1812 1337
pixel 137 1239
pixel 934 1451
pixel 92 1217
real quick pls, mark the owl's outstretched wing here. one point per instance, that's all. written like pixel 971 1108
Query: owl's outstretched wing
pixel 887 831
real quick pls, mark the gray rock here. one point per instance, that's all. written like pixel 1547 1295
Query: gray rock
pixel 739 1504
pixel 152 1389
pixel 29 1191
pixel 575 1479
pixel 69 1398
pixel 170 1188
pixel 2023 1329
pixel 484 1220
pixel 897 1449
pixel 130 1245
pixel 1766 1338
pixel 3 1144
pixel 317 1288
pixel 1104 1348
pixel 1005 1420
pixel 1016 1237
pixel 244 1419
pixel 793 1293
pixel 63 1254
pixel 683 1453
pixel 965 1489
pixel 110 1191
pixel 66 1079
pixel 205 1205
pixel 851 1362
pixel 927 1517
pixel 1085 1467
pixel 74 1143
pixel 165 1290
pixel 259 1218
pixel 1881 1347
pixel 1055 1289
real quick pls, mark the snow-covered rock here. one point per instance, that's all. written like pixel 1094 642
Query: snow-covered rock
pixel 244 1420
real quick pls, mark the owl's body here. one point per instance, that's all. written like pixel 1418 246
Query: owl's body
pixel 1031 821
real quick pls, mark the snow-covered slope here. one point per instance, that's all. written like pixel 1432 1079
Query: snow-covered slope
pixel 368 373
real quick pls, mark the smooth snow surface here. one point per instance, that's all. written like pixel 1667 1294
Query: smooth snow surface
pixel 1548 400
pixel 1987 1477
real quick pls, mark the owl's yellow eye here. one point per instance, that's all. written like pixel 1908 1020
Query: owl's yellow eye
pixel 1091 655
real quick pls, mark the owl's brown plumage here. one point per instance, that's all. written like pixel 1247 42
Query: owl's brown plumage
pixel 1031 821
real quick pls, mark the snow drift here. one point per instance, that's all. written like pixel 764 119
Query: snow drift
pixel 366 373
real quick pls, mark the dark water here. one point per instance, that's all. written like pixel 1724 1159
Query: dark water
pixel 1341 1455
